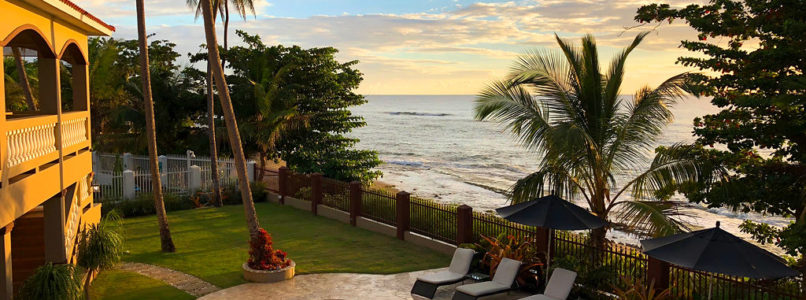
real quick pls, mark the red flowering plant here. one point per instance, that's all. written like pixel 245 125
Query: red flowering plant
pixel 262 256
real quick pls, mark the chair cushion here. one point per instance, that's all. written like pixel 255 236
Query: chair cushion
pixel 539 297
pixel 506 271
pixel 462 258
pixel 482 288
pixel 560 283
pixel 441 277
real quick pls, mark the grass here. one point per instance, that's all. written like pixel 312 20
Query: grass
pixel 122 285
pixel 211 244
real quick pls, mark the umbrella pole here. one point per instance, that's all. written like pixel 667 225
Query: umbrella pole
pixel 710 285
pixel 548 252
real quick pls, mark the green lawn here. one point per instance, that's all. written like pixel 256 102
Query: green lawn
pixel 211 244
pixel 122 285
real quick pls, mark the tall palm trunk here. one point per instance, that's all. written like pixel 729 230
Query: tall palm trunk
pixel 165 233
pixel 23 78
pixel 229 117
pixel 213 146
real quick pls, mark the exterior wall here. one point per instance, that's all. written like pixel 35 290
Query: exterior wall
pixel 56 32
pixel 40 177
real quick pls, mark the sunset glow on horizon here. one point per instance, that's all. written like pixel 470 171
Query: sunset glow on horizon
pixel 426 46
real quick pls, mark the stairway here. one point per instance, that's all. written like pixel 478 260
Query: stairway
pixel 27 245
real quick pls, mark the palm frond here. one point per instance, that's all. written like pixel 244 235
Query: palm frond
pixel 647 115
pixel 548 180
pixel 650 218
pixel 668 168
pixel 520 113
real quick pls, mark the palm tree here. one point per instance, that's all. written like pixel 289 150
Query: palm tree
pixel 562 106
pixel 277 112
pixel 166 241
pixel 222 8
pixel 229 117
pixel 99 248
pixel 23 78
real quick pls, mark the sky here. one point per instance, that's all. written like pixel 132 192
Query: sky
pixel 426 46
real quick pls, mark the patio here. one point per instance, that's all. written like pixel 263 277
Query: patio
pixel 342 286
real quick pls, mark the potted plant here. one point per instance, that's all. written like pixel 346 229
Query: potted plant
pixel 265 263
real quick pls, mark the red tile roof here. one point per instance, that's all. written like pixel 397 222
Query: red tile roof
pixel 86 13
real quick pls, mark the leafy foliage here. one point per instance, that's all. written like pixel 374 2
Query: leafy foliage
pixel 562 106
pixel 323 89
pixel 753 54
pixel 507 246
pixel 637 290
pixel 57 282
pixel 101 245
pixel 118 116
pixel 262 256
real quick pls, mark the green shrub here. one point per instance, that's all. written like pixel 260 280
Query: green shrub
pixel 56 282
pixel 232 193
pixel 143 205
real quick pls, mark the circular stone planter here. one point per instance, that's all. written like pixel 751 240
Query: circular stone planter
pixel 268 276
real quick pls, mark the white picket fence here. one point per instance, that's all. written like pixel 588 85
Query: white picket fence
pixel 125 176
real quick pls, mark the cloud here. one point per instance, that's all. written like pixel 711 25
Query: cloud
pixel 436 51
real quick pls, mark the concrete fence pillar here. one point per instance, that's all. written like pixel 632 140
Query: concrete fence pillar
pixel 282 183
pixel 194 174
pixel 128 184
pixel 316 191
pixel 250 170
pixel 403 213
pixel 355 201
pixel 464 224
pixel 128 161
pixel 162 164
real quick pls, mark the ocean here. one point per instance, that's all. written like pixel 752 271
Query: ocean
pixel 433 148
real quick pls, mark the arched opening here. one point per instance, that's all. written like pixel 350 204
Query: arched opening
pixel 73 79
pixel 30 74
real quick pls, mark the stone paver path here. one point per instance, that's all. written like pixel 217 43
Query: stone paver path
pixel 340 286
pixel 188 283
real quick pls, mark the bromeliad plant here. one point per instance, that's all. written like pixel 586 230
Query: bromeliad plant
pixel 262 256
pixel 508 246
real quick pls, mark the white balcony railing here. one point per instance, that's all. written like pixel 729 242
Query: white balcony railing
pixel 30 142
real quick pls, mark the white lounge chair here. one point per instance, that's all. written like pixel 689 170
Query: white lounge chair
pixel 559 286
pixel 426 285
pixel 504 277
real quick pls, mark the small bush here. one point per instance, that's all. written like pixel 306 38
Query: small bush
pixel 57 282
pixel 143 205
pixel 232 193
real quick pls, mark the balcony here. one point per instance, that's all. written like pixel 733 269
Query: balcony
pixel 42 155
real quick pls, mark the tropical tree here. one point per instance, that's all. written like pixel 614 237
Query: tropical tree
pixel 233 134
pixel 276 112
pixel 166 242
pixel 222 8
pixel 754 57
pixel 561 105
pixel 23 78
pixel 99 248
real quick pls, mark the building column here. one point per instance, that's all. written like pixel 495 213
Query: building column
pixel 3 142
pixel 55 217
pixel 7 283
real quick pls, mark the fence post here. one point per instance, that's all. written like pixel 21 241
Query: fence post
pixel 355 201
pixel 163 169
pixel 657 271
pixel 464 224
pixel 128 161
pixel 316 191
pixel 282 183
pixel 542 240
pixel 403 213
pixel 128 184
pixel 250 170
pixel 195 178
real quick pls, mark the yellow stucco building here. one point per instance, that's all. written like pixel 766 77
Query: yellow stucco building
pixel 45 159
